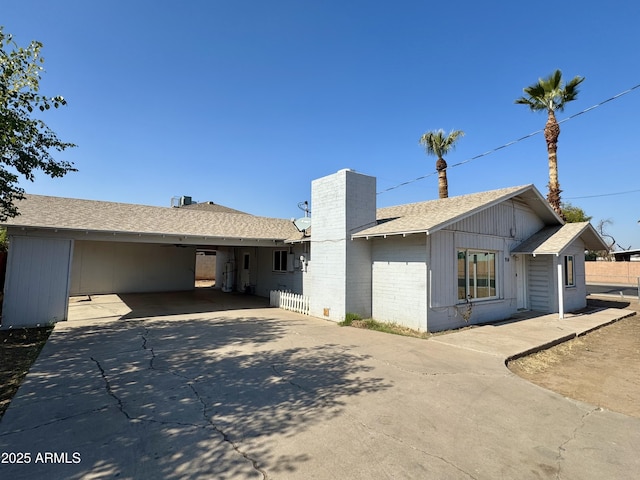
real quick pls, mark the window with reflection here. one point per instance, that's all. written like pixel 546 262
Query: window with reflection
pixel 476 275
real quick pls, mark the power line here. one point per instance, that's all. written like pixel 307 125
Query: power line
pixel 604 194
pixel 489 152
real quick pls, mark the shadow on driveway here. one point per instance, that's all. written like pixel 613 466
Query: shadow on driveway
pixel 177 397
pixel 208 391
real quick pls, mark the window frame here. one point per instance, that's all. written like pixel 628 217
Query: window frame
pixel 468 285
pixel 569 273
pixel 277 264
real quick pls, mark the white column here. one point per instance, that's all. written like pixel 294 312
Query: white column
pixel 560 289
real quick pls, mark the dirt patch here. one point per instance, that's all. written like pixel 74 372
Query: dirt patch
pixel 19 348
pixel 598 368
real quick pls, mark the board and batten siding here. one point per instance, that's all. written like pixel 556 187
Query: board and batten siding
pixel 444 247
pixel 399 280
pixel 498 229
pixel 443 276
pixel 37 281
pixel 512 219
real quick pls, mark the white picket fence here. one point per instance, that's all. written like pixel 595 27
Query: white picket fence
pixel 289 301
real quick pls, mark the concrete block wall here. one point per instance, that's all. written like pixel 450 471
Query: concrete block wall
pixel 340 272
pixel 613 273
pixel 399 282
pixel 205 267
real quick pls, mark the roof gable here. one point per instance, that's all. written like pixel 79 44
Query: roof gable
pixel 554 240
pixel 433 215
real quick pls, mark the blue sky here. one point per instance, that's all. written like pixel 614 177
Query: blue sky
pixel 245 102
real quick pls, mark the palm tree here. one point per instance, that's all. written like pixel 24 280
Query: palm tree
pixel 551 94
pixel 438 143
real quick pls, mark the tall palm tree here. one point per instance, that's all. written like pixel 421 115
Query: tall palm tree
pixel 438 143
pixel 551 94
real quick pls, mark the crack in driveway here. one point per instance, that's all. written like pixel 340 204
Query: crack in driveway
pixel 224 435
pixel 413 447
pixel 57 420
pixel 563 447
pixel 189 382
pixel 110 390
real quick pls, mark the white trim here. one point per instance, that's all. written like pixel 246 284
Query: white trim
pixel 560 289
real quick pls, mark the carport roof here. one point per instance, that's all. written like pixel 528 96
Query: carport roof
pixel 58 213
pixel 554 240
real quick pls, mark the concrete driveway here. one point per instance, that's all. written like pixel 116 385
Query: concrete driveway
pixel 223 387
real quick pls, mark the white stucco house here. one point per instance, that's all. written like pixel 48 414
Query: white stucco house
pixel 431 265
pixel 443 263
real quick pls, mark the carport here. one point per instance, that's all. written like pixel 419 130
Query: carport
pixel 62 246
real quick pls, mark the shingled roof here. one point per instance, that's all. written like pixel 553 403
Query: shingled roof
pixel 37 211
pixel 212 207
pixel 554 240
pixel 433 215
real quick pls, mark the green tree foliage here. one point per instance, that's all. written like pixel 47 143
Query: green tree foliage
pixel 573 214
pixel 438 143
pixel 26 143
pixel 4 240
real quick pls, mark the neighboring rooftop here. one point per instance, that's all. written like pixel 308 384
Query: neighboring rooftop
pixel 626 255
pixel 212 207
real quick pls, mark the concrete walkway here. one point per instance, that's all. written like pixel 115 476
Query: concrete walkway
pixel 162 386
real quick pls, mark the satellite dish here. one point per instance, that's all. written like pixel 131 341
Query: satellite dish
pixel 302 223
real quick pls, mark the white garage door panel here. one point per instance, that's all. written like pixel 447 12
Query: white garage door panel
pixel 37 282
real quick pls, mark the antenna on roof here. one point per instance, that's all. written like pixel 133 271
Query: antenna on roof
pixel 304 206
pixel 303 223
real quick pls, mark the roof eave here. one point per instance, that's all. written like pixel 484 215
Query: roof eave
pixel 390 234
pixel 147 235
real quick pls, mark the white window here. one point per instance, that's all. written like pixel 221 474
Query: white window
pixel 280 260
pixel 476 275
pixel 569 272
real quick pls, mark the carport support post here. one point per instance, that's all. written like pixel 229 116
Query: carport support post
pixel 560 289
